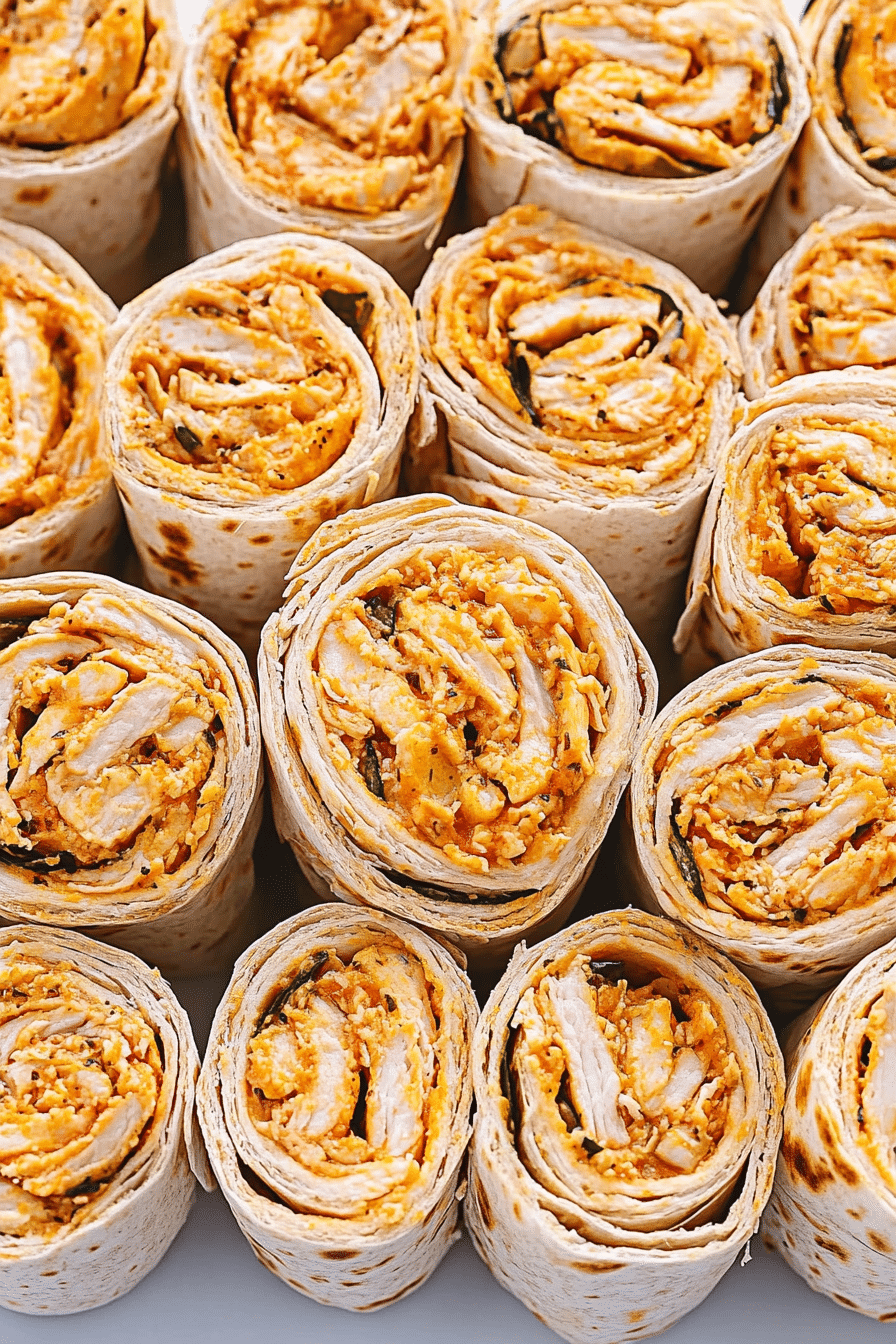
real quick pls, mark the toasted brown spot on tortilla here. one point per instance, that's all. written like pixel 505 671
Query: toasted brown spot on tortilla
pixel 33 195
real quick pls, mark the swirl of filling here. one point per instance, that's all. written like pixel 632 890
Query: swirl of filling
pixel 856 80
pixel 52 355
pixel 813 511
pixel 830 304
pixel 343 107
pixel 342 1079
pixel 115 745
pixel 248 387
pixel 74 71
pixel 621 1088
pixel 778 802
pixel 81 1083
pixel 669 91
pixel 461 694
pixel 875 1104
pixel 615 378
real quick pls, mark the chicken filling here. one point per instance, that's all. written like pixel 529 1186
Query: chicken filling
pixel 782 803
pixel 864 72
pixel 343 106
pixel 342 1075
pixel 73 71
pixel 80 1081
pixel 51 353
pixel 249 386
pixel 876 1105
pixel 115 751
pixel 609 1083
pixel 821 500
pixel 586 349
pixel 672 91
pixel 461 694
pixel 841 309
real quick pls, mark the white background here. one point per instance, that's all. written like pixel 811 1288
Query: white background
pixel 211 1287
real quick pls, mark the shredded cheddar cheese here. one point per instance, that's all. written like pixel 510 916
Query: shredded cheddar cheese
pixel 80 1081
pixel 674 90
pixel 461 694
pixel 858 71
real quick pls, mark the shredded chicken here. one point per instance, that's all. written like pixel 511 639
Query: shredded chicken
pixel 783 802
pixel 819 504
pixel 80 1080
pixel 586 348
pixel 674 90
pixel 840 309
pixel 73 71
pixel 465 698
pixel 340 1075
pixel 115 750
pixel 861 78
pixel 613 1083
pixel 876 1105
pixel 256 387
pixel 342 106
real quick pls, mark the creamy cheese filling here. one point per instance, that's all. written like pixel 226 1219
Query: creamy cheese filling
pixel 51 368
pixel 841 306
pixel 115 750
pixel 460 693
pixel 857 61
pixel 818 505
pixel 254 386
pixel 342 1074
pixel 584 347
pixel 876 1105
pixel 80 1080
pixel 782 803
pixel 75 70
pixel 342 106
pixel 611 1084
pixel 672 91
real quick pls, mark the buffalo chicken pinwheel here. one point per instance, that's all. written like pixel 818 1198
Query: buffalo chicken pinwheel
pixel 97 1133
pixel 628 1090
pixel 86 112
pixel 576 382
pixel 58 504
pixel 339 119
pixel 132 791
pixel 763 813
pixel 450 707
pixel 830 303
pixel 837 1170
pixel 335 1103
pixel 798 541
pixel 249 397
pixel 665 123
pixel 846 155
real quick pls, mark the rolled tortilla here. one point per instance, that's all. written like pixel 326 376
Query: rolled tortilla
pixel 798 541
pixel 830 303
pixel 86 113
pixel 628 1090
pixel 99 1068
pixel 666 124
pixel 58 504
pixel 250 396
pixel 337 121
pixel 134 790
pixel 761 814
pixel 450 703
pixel 576 382
pixel 335 1102
pixel 832 1214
